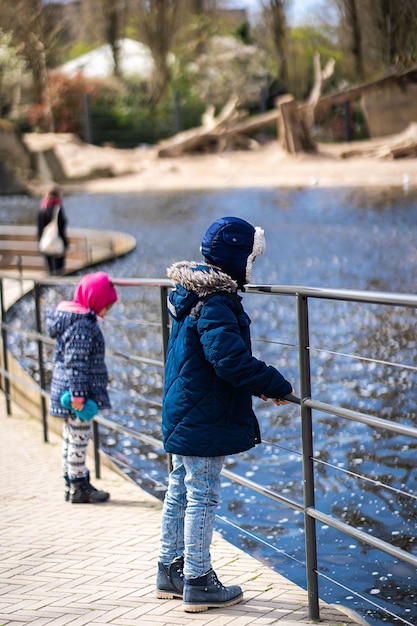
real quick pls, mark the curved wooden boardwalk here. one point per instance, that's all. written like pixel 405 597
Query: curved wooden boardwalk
pixel 20 258
pixel 19 248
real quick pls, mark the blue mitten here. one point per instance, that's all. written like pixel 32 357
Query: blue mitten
pixel 89 411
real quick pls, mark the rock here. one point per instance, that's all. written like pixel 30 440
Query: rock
pixel 63 157
pixel 47 166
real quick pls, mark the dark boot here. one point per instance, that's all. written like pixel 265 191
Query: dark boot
pixel 100 496
pixel 201 594
pixel 170 580
pixel 83 492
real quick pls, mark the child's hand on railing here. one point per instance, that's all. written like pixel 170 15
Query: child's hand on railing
pixel 290 397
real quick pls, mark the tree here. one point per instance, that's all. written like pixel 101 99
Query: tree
pixel 158 24
pixel 33 33
pixel 395 29
pixel 105 21
pixel 350 18
pixel 229 68
pixel 304 42
pixel 11 72
pixel 385 29
pixel 275 19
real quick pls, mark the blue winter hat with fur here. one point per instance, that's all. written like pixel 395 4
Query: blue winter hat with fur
pixel 232 244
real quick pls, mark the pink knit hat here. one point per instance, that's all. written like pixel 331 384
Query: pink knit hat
pixel 95 291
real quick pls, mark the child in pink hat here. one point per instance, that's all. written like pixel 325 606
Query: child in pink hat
pixel 80 376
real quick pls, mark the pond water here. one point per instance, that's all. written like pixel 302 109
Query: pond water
pixel 321 238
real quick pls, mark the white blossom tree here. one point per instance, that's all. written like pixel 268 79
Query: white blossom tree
pixel 12 68
pixel 229 68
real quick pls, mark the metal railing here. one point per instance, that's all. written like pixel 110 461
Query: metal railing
pixel 308 404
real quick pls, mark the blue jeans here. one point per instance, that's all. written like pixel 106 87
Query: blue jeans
pixel 189 512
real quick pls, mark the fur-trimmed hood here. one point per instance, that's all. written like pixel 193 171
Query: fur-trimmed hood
pixel 193 281
pixel 201 278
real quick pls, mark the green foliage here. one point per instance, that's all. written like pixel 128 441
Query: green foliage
pixel 120 114
pixel 125 119
pixel 10 61
pixel 78 49
pixel 242 32
pixel 303 43
pixel 191 103
pixel 191 109
pixel 12 70
pixel 7 126
pixel 359 125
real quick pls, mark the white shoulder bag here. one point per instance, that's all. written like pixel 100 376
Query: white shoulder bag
pixel 51 242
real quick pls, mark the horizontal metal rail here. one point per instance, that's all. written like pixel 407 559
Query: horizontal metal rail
pixel 148 439
pixel 241 480
pixel 363 418
pixel 363 537
pixel 23 383
pixel 29 334
pixel 133 358
pixel 348 295
pixel 265 491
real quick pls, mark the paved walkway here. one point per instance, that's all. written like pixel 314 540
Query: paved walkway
pixel 62 563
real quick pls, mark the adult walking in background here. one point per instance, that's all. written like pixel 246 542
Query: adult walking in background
pixel 210 378
pixel 51 208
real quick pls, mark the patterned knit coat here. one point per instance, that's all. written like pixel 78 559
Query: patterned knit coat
pixel 79 364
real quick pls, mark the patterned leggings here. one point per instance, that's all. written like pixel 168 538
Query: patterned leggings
pixel 76 435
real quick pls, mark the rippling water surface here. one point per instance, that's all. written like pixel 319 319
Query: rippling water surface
pixel 320 238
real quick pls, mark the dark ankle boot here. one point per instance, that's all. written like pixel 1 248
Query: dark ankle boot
pixel 201 594
pixel 83 492
pixel 100 496
pixel 170 579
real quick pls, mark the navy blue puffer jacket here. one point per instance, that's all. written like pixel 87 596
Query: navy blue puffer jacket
pixel 211 374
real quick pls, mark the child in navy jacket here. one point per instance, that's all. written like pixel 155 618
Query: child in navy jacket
pixel 210 378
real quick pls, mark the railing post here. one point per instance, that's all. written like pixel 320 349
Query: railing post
pixel 163 291
pixel 20 271
pixel 96 449
pixel 308 469
pixel 4 348
pixel 37 292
